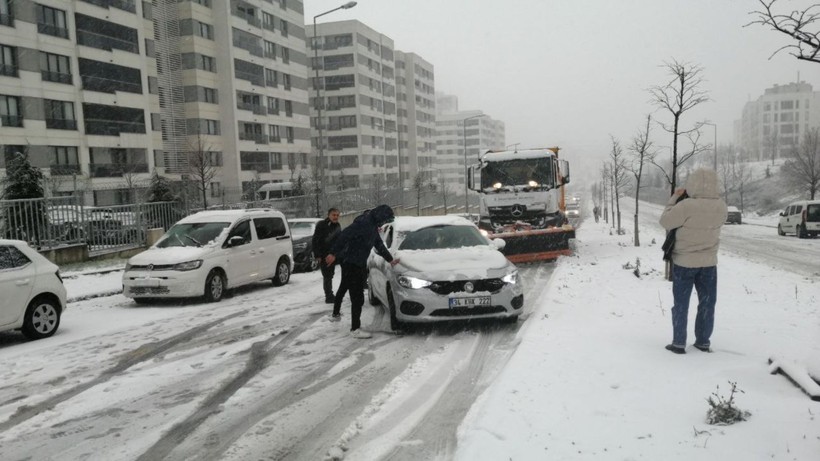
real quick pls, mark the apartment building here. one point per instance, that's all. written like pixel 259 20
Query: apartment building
pixel 775 123
pixel 463 134
pixel 353 92
pixel 102 92
pixel 416 117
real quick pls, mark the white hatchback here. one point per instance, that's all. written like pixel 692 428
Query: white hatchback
pixel 212 251
pixel 32 292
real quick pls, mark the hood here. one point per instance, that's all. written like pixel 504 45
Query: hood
pixel 381 214
pixel 702 183
pixel 171 255
pixel 454 264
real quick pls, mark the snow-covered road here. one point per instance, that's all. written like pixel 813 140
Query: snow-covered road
pixel 262 374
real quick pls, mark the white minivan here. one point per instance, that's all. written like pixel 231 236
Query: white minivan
pixel 209 252
pixel 800 218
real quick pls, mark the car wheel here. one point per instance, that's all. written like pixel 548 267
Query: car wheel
pixel 214 286
pixel 391 306
pixel 800 231
pixel 142 300
pixel 314 264
pixel 780 230
pixel 374 301
pixel 282 275
pixel 42 318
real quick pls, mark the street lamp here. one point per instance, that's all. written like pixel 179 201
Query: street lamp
pixel 715 127
pixel 319 101
pixel 467 167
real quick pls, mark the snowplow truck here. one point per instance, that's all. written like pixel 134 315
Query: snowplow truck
pixel 522 201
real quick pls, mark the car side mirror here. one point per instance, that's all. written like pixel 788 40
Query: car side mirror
pixel 499 244
pixel 781 214
pixel 236 241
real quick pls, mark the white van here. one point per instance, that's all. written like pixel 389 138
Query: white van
pixel 210 252
pixel 275 190
pixel 800 218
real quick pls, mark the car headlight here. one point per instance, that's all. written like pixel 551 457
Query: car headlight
pixel 300 246
pixel 511 278
pixel 413 282
pixel 188 266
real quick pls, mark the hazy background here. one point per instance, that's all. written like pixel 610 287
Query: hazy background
pixel 572 72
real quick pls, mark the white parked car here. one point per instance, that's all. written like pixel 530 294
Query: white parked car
pixel 212 251
pixel 32 292
pixel 302 230
pixel 800 218
pixel 447 271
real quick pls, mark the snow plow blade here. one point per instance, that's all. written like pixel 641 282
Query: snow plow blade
pixel 536 245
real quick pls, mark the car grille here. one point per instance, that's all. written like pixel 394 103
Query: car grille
pixel 151 267
pixel 140 291
pixel 446 288
pixel 461 311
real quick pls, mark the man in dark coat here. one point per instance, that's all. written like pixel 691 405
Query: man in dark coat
pixel 323 237
pixel 352 248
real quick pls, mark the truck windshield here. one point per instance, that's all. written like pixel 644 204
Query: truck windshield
pixel 518 173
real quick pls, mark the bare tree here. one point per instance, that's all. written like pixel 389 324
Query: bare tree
pixel 419 184
pixel 741 175
pixel 802 26
pixel 203 166
pixel 605 190
pixel 444 189
pixel 620 178
pixel 677 96
pixel 771 143
pixel 802 168
pixel 642 152
pixel 377 189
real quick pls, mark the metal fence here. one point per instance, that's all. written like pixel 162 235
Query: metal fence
pixel 54 222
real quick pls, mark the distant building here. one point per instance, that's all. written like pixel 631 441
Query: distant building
pixel 776 122
pixel 453 129
pixel 416 116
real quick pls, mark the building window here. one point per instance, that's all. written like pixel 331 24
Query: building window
pixel 270 50
pixel 64 160
pixel 275 160
pixel 8 61
pixel 271 78
pixel 286 80
pixel 6 17
pixel 289 132
pixel 206 3
pixel 10 111
pixel 283 4
pixel 211 127
pixel 289 108
pixel 60 115
pixel 285 55
pixel 273 105
pixel 268 21
pixel 206 63
pixel 51 21
pixel 215 189
pixel 283 26
pixel 273 133
pixel 55 68
pixel 204 30
pixel 209 95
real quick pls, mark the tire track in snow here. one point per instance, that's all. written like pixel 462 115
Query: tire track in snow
pixel 139 355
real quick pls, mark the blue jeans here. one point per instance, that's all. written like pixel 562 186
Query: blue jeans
pixel 704 279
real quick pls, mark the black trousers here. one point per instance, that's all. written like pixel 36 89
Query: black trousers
pixel 327 278
pixel 353 279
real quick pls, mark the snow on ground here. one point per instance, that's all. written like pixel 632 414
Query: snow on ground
pixel 591 378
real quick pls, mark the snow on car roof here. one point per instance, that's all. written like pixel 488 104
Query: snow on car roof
pixel 413 223
pixel 224 215
pixel 515 155
pixel 305 220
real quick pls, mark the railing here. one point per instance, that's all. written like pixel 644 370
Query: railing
pixel 6 20
pixel 255 108
pixel 50 29
pixel 8 70
pixel 65 169
pixel 111 127
pixel 57 77
pixel 11 120
pixel 125 5
pixel 115 170
pixel 105 42
pixel 61 124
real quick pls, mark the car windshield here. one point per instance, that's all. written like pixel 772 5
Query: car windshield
pixel 192 234
pixel 517 173
pixel 444 236
pixel 301 229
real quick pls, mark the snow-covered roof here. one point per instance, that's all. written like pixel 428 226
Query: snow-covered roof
pixel 413 223
pixel 304 220
pixel 517 155
pixel 227 215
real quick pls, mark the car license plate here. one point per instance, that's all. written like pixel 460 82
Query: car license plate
pixel 470 302
pixel 145 282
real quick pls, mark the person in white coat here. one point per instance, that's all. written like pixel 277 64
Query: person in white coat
pixel 698 219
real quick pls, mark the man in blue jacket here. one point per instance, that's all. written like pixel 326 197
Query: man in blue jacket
pixel 352 247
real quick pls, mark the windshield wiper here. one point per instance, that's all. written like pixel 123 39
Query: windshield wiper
pixel 196 242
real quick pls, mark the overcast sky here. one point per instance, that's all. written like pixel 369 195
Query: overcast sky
pixel 572 72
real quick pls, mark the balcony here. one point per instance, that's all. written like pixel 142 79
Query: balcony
pixel 57 77
pixel 125 5
pixel 252 20
pixel 11 120
pixel 65 169
pixel 50 29
pixel 6 20
pixel 115 170
pixel 111 127
pixel 259 138
pixel 61 124
pixel 105 42
pixel 255 108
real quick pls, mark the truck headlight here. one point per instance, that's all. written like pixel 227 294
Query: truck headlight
pixel 511 278
pixel 188 266
pixel 413 282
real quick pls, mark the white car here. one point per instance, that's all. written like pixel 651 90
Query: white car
pixel 302 230
pixel 800 218
pixel 32 292
pixel 447 271
pixel 209 252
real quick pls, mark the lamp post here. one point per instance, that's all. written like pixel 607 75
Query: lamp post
pixel 319 102
pixel 714 125
pixel 466 167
